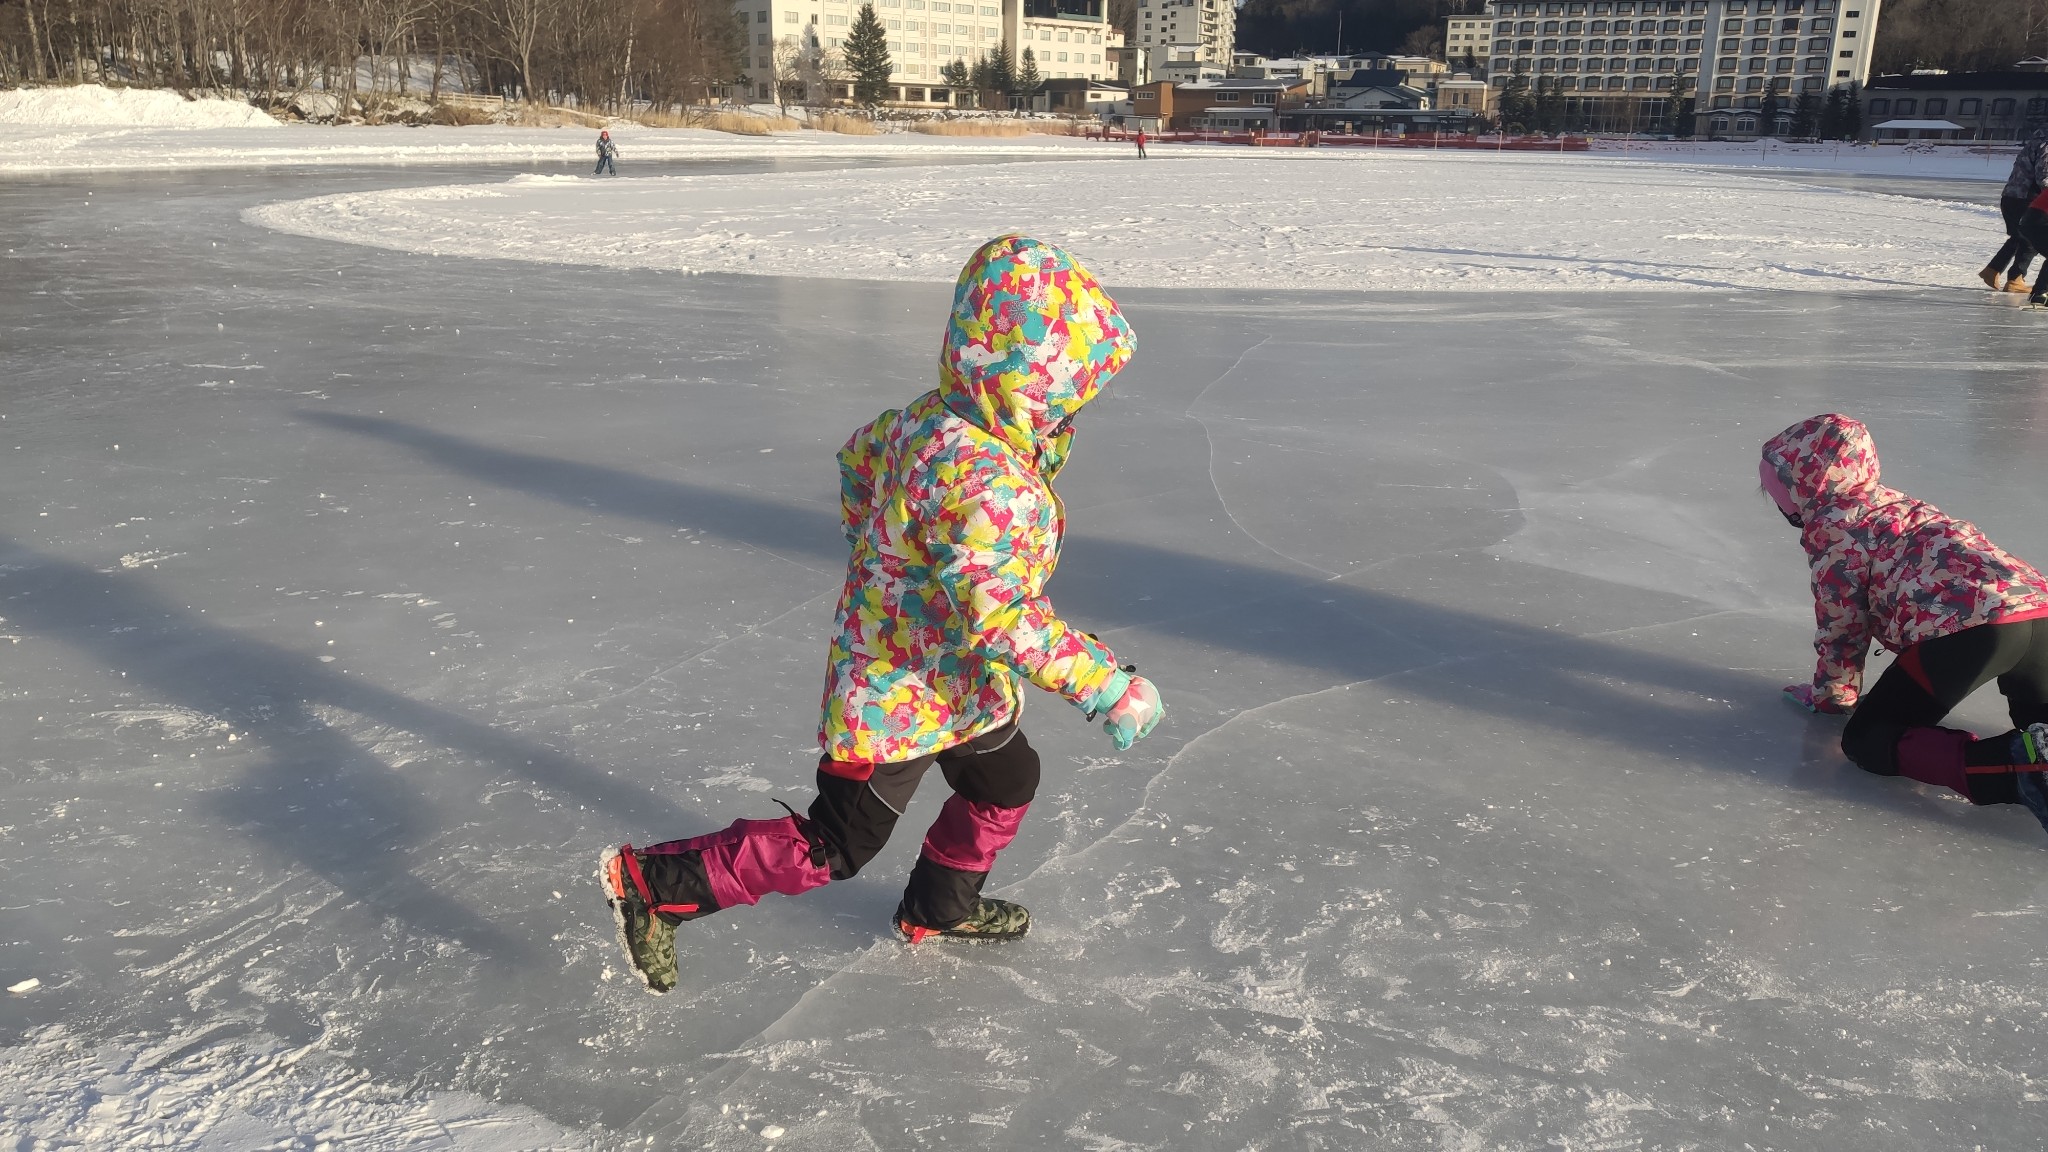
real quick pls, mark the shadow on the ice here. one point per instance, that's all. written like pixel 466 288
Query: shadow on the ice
pixel 319 798
pixel 1526 674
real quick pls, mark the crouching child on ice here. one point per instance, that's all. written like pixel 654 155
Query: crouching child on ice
pixel 953 530
pixel 1957 610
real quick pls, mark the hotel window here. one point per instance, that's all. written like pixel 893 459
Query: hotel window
pixel 1937 106
pixel 1970 107
pixel 1906 107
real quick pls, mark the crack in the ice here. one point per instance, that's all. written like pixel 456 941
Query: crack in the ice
pixel 1218 488
pixel 746 633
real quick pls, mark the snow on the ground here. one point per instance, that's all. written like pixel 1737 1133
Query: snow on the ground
pixel 81 149
pixel 1409 221
pixel 91 105
pixel 201 1091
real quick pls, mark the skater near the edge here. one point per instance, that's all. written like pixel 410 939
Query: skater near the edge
pixel 953 530
pixel 2029 171
pixel 606 153
pixel 1957 610
pixel 1141 143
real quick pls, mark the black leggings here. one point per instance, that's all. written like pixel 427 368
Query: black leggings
pixel 2017 253
pixel 2016 655
pixel 2032 227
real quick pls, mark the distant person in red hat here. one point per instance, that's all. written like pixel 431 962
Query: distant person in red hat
pixel 606 153
pixel 1141 143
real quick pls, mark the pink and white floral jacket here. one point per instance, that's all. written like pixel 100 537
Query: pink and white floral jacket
pixel 1886 567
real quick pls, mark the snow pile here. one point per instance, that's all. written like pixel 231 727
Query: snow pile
pixel 90 105
pixel 63 1091
pixel 1240 219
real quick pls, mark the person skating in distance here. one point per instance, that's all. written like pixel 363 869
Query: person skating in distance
pixel 607 155
pixel 953 529
pixel 1957 610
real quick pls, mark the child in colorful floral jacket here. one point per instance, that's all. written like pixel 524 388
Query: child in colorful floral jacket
pixel 953 530
pixel 1959 612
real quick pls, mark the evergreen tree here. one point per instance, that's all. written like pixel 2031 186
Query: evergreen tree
pixel 1548 106
pixel 956 78
pixel 1831 116
pixel 1806 113
pixel 1852 114
pixel 1002 76
pixel 1515 104
pixel 1028 80
pixel 1683 104
pixel 867 57
pixel 1767 116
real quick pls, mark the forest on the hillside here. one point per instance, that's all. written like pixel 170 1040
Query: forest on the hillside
pixel 1953 34
pixel 596 52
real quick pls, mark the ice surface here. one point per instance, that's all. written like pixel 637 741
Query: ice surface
pixel 1413 220
pixel 353 600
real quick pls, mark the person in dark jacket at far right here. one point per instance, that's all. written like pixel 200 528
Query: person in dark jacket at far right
pixel 2029 169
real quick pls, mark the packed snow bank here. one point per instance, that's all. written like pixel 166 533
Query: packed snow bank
pixel 90 105
pixel 187 1092
pixel 1240 219
pixel 1980 162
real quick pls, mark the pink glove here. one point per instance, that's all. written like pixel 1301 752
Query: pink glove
pixel 1130 708
pixel 1802 695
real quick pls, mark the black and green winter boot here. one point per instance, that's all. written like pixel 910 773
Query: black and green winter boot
pixel 649 940
pixel 990 920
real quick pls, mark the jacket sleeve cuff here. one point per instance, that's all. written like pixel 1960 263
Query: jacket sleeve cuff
pixel 1105 697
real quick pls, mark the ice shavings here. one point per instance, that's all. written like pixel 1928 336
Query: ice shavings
pixel 1417 222
pixel 62 1090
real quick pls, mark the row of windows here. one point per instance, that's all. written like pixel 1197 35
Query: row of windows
pixel 1553 47
pixel 1598 47
pixel 1653 8
pixel 1574 27
pixel 2001 106
pixel 1642 64
pixel 1597 27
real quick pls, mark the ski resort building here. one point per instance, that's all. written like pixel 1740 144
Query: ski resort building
pixel 1187 39
pixel 2005 104
pixel 796 40
pixel 1624 65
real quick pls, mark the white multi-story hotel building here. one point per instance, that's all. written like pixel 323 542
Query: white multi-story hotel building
pixel 1068 38
pixel 1188 31
pixel 1613 59
pixel 1468 36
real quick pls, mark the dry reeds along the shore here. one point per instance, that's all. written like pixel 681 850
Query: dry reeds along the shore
pixel 969 128
pixel 737 123
pixel 972 126
pixel 843 124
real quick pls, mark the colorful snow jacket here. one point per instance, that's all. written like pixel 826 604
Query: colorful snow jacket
pixel 953 526
pixel 1885 566
pixel 2029 168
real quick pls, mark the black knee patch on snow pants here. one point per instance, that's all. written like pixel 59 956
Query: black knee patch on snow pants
pixel 852 818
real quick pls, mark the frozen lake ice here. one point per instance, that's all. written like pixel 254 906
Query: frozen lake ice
pixel 355 599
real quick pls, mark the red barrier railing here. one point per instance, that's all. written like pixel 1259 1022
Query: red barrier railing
pixel 1357 140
